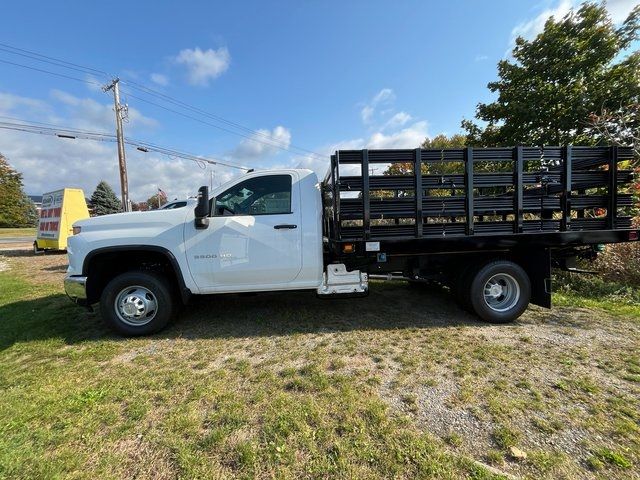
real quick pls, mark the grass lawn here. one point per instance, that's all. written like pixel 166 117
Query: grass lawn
pixel 401 384
pixel 17 232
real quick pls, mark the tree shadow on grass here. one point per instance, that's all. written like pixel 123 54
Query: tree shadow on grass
pixel 7 251
pixel 44 318
pixel 389 306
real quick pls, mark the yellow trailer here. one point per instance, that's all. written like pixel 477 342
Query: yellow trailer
pixel 60 209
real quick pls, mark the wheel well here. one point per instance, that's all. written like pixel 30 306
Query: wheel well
pixel 537 265
pixel 535 262
pixel 101 267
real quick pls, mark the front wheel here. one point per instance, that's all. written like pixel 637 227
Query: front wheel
pixel 137 303
pixel 500 292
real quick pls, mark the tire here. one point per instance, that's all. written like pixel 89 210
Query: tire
pixel 499 292
pixel 137 303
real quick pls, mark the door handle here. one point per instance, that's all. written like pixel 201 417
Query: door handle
pixel 284 225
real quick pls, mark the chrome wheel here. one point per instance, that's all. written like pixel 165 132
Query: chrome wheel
pixel 501 292
pixel 136 305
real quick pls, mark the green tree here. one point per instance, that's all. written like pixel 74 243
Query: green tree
pixel 619 127
pixel 104 200
pixel 546 94
pixel 156 201
pixel 16 209
pixel 139 206
pixel 30 211
pixel 440 141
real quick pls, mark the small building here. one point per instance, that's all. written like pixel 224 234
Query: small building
pixel 37 201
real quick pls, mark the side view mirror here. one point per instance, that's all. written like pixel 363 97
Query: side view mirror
pixel 202 208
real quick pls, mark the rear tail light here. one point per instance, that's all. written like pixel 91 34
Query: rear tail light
pixel 633 235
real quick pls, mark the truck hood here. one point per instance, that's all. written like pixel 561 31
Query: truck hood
pixel 129 219
pixel 138 224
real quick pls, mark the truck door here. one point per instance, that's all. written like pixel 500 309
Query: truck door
pixel 254 238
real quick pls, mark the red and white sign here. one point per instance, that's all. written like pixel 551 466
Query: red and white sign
pixel 50 213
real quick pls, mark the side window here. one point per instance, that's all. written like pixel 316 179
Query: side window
pixel 268 195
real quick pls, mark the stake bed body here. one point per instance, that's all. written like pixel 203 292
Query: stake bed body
pixel 488 223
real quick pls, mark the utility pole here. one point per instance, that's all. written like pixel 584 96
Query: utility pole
pixel 121 114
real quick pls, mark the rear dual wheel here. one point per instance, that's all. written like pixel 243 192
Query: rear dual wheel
pixel 498 292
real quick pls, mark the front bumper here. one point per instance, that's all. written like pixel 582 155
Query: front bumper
pixel 76 288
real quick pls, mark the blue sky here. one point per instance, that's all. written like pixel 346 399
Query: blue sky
pixel 316 75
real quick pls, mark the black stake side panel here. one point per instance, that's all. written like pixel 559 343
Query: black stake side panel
pixel 533 190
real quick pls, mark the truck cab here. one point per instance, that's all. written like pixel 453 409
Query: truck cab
pixel 259 232
pixel 264 233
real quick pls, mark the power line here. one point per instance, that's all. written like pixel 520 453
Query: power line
pixel 84 80
pixel 58 63
pixel 57 133
pixel 70 133
pixel 67 132
pixel 54 125
pixel 188 156
pixel 30 54
pixel 167 98
pixel 182 114
pixel 253 134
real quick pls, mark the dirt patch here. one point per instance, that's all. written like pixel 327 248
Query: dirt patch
pixel 555 384
pixel 37 268
pixel 143 459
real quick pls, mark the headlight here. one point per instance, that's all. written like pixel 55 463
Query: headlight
pixel 77 230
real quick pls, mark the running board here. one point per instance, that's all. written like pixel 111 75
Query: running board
pixel 338 281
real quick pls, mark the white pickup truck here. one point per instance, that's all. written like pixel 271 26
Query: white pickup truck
pixel 263 232
pixel 285 230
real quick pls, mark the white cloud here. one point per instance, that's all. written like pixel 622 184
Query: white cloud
pixel 410 137
pixel 480 58
pixel 366 113
pixel 383 97
pixel 398 120
pixel 320 163
pixel 618 9
pixel 178 178
pixel 9 102
pixel 94 84
pixel 531 28
pixel 262 144
pixel 49 163
pixel 204 65
pixel 160 79
pixel 396 131
pixel 90 114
